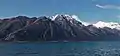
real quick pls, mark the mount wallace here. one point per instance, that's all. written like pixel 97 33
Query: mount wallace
pixel 55 28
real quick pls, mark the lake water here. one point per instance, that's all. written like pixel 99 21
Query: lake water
pixel 61 49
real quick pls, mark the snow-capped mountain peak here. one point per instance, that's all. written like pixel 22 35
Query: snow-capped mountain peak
pixel 53 17
pixel 111 25
pixel 69 18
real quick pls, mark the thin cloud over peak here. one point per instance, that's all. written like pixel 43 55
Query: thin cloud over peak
pixel 108 6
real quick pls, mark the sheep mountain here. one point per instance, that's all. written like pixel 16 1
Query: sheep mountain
pixel 56 28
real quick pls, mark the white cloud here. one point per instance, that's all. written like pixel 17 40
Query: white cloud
pixel 77 18
pixel 108 6
pixel 118 16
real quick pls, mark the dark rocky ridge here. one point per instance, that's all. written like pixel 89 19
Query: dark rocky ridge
pixel 62 28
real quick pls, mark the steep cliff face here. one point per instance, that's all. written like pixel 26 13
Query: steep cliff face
pixel 56 28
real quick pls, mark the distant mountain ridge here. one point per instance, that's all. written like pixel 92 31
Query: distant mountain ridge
pixel 56 28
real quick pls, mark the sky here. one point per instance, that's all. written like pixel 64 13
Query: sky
pixel 86 10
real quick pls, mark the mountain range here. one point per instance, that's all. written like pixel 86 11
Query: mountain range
pixel 56 28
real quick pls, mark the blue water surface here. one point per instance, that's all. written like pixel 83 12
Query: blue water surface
pixel 61 49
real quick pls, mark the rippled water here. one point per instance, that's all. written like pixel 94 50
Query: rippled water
pixel 61 49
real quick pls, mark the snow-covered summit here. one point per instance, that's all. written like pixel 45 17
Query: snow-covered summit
pixel 99 24
pixel 69 18
pixel 111 25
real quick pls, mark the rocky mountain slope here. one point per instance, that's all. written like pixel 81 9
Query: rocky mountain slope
pixel 56 28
